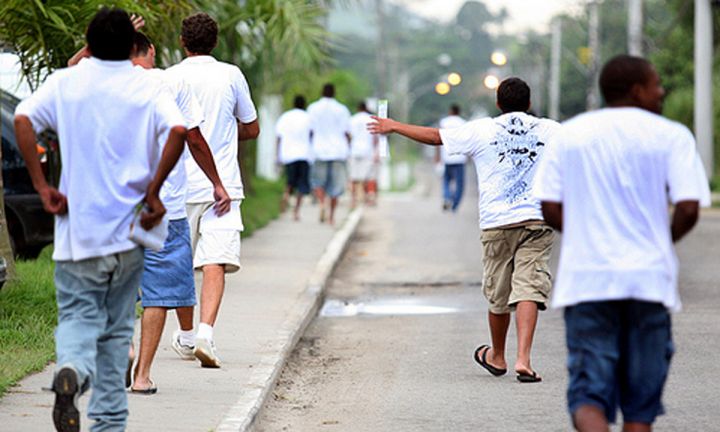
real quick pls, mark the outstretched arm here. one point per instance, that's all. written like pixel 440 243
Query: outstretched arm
pixel 202 154
pixel 552 213
pixel 422 134
pixel 685 217
pixel 172 150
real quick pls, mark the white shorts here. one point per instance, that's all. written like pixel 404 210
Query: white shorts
pixel 362 169
pixel 212 247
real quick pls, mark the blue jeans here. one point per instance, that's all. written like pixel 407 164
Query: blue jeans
pixel 618 356
pixel 454 176
pixel 96 314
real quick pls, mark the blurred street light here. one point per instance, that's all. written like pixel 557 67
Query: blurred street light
pixel 442 88
pixel 498 58
pixel 454 79
pixel 491 81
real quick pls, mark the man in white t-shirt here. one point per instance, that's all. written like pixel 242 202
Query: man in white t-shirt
pixel 454 165
pixel 331 139
pixel 168 281
pixel 516 241
pixel 229 115
pixel 364 155
pixel 294 132
pixel 108 116
pixel 606 182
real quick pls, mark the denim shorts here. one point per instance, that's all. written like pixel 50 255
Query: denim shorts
pixel 618 356
pixel 329 176
pixel 298 176
pixel 167 280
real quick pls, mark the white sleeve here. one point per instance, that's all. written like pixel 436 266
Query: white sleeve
pixel 468 139
pixel 244 106
pixel 167 113
pixel 548 182
pixel 686 176
pixel 40 107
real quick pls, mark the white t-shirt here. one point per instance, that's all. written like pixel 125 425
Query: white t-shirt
pixel 330 122
pixel 293 129
pixel 362 144
pixel 224 95
pixel 108 116
pixel 505 150
pixel 614 171
pixel 174 191
pixel 450 122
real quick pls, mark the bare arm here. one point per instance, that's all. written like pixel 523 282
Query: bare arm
pixel 553 214
pixel 200 151
pixel 170 155
pixel 248 131
pixel 685 217
pixel 53 201
pixel 277 150
pixel 422 134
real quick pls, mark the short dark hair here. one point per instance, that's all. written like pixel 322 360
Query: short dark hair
pixel 141 44
pixel 199 33
pixel 299 102
pixel 513 94
pixel 455 109
pixel 110 34
pixel 620 74
pixel 362 106
pixel 328 90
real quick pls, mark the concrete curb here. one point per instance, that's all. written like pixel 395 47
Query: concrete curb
pixel 243 413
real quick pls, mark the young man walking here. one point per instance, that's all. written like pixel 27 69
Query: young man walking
pixel 331 141
pixel 364 156
pixel 454 165
pixel 516 241
pixel 606 182
pixel 168 281
pixel 109 117
pixel 229 115
pixel 294 132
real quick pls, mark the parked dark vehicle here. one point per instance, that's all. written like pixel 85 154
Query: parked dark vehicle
pixel 31 228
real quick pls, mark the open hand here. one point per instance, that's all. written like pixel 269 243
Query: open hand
pixel 380 125
pixel 153 213
pixel 138 22
pixel 53 201
pixel 222 200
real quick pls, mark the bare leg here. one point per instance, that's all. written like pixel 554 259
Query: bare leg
pixel 354 192
pixel 333 206
pixel 285 199
pixel 185 317
pixel 213 286
pixel 526 317
pixel 499 325
pixel 298 203
pixel 152 323
pixel 589 418
pixel 637 427
pixel 320 195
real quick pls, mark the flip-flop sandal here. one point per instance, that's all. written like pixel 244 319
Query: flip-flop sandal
pixel 128 372
pixel 482 361
pixel 146 391
pixel 525 377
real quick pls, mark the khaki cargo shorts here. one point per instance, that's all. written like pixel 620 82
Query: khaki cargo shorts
pixel 516 266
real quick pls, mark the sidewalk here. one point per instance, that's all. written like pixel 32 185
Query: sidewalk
pixel 265 309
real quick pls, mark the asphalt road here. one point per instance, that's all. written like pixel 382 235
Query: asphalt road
pixel 392 349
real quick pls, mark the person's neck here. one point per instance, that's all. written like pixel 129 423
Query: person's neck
pixel 192 54
pixel 625 103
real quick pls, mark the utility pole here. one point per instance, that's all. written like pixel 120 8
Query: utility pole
pixel 555 53
pixel 635 27
pixel 703 83
pixel 593 93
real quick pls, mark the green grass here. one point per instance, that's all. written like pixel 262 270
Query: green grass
pixel 262 205
pixel 28 315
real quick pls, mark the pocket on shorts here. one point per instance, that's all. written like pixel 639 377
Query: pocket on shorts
pixel 493 243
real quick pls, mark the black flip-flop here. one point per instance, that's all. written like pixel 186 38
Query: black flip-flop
pixel 146 391
pixel 482 361
pixel 525 377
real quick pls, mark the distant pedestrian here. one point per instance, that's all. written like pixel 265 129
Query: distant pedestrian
pixel 516 241
pixel 364 156
pixel 331 141
pixel 229 116
pixel 294 131
pixel 606 182
pixel 454 165
pixel 109 117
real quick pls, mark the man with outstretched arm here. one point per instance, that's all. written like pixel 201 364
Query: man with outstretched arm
pixel 605 183
pixel 108 117
pixel 516 241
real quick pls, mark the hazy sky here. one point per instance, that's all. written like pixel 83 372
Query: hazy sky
pixel 524 14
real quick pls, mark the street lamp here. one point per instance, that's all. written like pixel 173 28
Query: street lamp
pixel 454 79
pixel 498 58
pixel 491 81
pixel 442 88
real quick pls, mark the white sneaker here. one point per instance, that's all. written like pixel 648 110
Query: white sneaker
pixel 186 352
pixel 205 352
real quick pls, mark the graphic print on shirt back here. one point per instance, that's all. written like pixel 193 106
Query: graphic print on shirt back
pixel 517 146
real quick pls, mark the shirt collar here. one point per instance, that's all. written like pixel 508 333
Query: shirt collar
pixel 200 59
pixel 115 64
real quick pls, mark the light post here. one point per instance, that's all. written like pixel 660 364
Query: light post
pixel 703 83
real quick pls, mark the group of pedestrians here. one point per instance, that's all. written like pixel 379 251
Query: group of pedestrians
pixel 317 148
pixel 603 178
pixel 123 126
